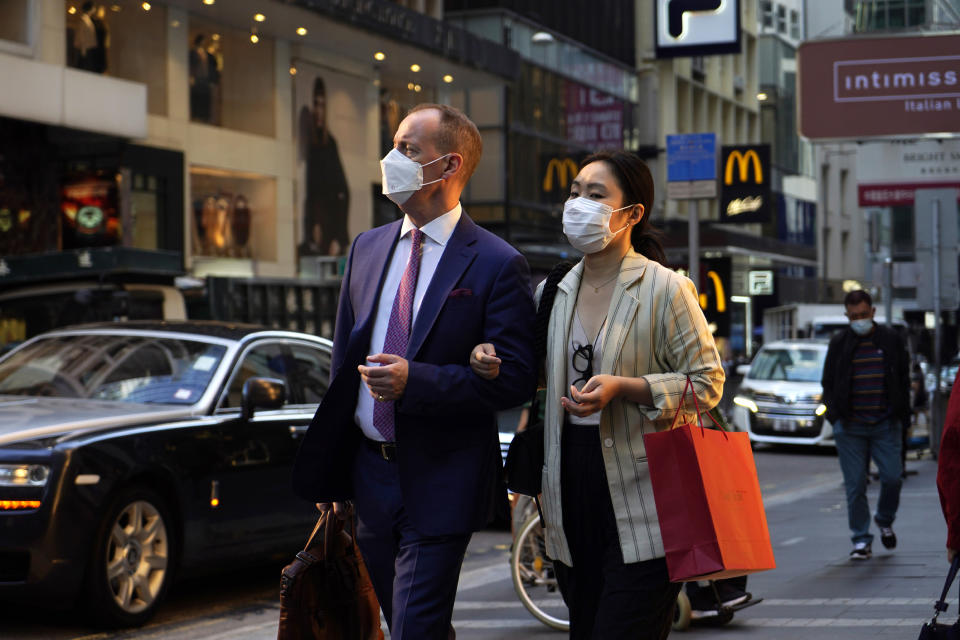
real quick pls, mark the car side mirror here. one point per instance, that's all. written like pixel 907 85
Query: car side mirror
pixel 743 370
pixel 262 393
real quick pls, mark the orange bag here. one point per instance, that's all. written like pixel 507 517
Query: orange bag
pixel 708 501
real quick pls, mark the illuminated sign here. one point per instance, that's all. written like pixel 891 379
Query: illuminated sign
pixel 565 170
pixel 745 191
pixel 721 297
pixel 697 27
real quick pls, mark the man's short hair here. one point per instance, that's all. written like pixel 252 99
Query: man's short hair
pixel 853 298
pixel 457 133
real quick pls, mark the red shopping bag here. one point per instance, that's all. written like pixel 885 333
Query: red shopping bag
pixel 708 501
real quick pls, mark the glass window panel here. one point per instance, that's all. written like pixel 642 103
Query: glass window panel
pixel 123 40
pixel 15 24
pixel 234 214
pixel 231 78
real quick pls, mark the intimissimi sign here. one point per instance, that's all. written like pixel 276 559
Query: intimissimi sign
pixel 855 88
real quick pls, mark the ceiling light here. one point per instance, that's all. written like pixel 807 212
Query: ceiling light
pixel 146 6
pixel 415 68
pixel 72 10
pixel 254 38
pixel 208 2
pixel 115 8
pixel 259 17
pixel 762 96
pixel 542 37
pixel 215 37
pixel 417 88
pixel 379 56
pixel 174 23
pixel 410 86
pixel 448 78
pixel 301 31
pixel 293 71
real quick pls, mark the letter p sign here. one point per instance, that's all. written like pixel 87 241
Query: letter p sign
pixel 679 8
pixel 697 27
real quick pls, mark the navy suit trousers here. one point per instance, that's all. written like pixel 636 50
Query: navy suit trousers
pixel 415 576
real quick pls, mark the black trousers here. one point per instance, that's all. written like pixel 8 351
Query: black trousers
pixel 608 599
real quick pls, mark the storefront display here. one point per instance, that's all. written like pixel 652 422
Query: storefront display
pixel 89 211
pixel 234 214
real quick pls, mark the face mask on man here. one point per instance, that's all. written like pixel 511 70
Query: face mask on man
pixel 862 327
pixel 403 177
pixel 586 223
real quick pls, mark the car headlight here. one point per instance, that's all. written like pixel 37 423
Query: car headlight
pixel 24 475
pixel 742 401
pixel 821 409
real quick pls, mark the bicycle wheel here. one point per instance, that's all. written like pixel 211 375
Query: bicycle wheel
pixel 533 577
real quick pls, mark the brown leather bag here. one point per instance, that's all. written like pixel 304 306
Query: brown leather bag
pixel 326 593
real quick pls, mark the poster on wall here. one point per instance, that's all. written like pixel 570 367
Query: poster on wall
pixel 330 129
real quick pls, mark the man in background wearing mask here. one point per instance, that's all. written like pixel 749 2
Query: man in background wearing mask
pixel 866 389
pixel 406 430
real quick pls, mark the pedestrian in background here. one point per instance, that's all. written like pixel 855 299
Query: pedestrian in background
pixel 623 335
pixel 413 442
pixel 866 389
pixel 948 471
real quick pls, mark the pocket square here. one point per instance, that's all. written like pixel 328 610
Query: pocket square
pixel 460 293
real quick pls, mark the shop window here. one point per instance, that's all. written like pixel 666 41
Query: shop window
pixel 234 214
pixel 89 210
pixel 15 25
pixel 122 39
pixel 231 78
pixel 145 195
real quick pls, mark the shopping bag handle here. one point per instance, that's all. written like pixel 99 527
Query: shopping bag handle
pixel 941 605
pixel 696 404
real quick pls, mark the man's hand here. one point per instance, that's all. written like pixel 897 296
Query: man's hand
pixel 340 509
pixel 951 554
pixel 388 381
pixel 595 395
pixel 484 361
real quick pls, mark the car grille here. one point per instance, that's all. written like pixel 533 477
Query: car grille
pixel 786 425
pixel 773 405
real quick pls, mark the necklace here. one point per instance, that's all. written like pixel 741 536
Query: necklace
pixel 596 289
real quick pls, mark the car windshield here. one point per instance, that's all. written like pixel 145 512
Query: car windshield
pixel 788 363
pixel 124 368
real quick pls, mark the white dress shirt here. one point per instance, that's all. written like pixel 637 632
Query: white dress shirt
pixel 437 233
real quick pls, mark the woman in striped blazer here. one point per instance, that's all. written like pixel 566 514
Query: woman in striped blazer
pixel 623 334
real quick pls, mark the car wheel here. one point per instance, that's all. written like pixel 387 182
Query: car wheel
pixel 132 559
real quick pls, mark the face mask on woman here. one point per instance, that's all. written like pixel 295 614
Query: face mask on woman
pixel 586 223
pixel 402 177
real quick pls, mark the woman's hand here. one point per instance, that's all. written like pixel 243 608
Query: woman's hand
pixel 484 361
pixel 595 395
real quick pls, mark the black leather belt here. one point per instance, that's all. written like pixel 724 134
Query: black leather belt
pixel 386 450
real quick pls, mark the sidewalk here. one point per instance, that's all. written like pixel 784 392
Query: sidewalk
pixel 818 589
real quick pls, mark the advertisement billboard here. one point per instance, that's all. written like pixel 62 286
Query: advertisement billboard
pixel 863 87
pixel 889 173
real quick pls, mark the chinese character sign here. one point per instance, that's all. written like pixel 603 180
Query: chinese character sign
pixel 594 119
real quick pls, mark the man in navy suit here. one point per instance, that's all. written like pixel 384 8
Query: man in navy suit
pixel 406 430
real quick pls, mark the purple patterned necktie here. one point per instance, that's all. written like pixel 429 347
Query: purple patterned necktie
pixel 398 330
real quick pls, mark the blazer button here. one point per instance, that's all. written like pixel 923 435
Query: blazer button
pixel 608 442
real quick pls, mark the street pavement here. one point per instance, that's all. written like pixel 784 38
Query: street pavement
pixel 815 592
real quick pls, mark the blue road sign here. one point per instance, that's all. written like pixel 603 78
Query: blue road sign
pixel 691 156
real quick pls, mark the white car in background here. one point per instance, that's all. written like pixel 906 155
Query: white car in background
pixel 779 399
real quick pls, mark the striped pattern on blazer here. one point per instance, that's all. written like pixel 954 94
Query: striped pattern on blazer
pixel 654 329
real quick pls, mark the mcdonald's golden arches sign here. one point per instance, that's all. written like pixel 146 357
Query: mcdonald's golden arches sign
pixel 745 184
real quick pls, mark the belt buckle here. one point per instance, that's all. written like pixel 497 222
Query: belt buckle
pixel 388 451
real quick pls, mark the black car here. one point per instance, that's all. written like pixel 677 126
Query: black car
pixel 133 451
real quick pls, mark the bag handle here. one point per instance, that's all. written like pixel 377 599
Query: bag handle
pixel 696 404
pixel 316 528
pixel 941 605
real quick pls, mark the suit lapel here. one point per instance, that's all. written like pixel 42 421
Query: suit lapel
pixel 623 307
pixel 375 271
pixel 457 256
